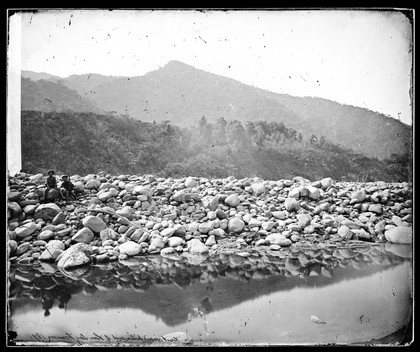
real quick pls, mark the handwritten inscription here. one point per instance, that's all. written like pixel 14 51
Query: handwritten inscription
pixel 95 337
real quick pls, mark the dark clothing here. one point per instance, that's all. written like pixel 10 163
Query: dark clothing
pixel 51 182
pixel 68 189
pixel 67 185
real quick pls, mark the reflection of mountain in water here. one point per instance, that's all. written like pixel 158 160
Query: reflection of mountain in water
pixel 170 288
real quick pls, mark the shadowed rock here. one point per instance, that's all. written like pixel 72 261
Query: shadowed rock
pixel 47 211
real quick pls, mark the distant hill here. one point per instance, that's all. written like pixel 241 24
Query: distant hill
pixel 182 95
pixel 360 129
pixel 36 76
pixel 87 83
pixel 46 96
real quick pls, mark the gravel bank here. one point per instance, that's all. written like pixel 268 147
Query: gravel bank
pixel 118 217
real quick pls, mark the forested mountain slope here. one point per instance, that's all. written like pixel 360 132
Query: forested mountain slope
pixel 81 143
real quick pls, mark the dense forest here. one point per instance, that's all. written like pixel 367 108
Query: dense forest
pixel 81 143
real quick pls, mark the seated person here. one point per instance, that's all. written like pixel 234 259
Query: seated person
pixel 67 188
pixel 51 183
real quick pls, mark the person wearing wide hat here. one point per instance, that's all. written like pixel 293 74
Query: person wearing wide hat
pixel 50 183
pixel 67 188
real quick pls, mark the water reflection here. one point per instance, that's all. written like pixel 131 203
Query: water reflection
pixel 250 297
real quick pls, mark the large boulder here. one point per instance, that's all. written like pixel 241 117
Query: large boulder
pixel 291 204
pixel 60 218
pixel 12 247
pixel 106 194
pixel 303 219
pixel 295 193
pixel 258 188
pixel 376 208
pixel 167 251
pixel 92 184
pixel 46 235
pixel 84 235
pixel 279 214
pixel 125 211
pixel 136 235
pixel 175 241
pixel 14 196
pixel 326 182
pixel 195 246
pixel 129 187
pixel 52 250
pixel 211 240
pixel 314 193
pixel 53 194
pixel 267 225
pixel 236 225
pixel 205 227
pixel 400 235
pixel 108 233
pixel 156 241
pixel 253 223
pixel 181 196
pixel 138 190
pixel 47 211
pixel 304 191
pixel 345 233
pixel 278 238
pixel 30 209
pixel 38 179
pixel 14 209
pixel 190 182
pixel 22 248
pixel 130 248
pixel 220 214
pixel 89 177
pixel 217 232
pixel 167 232
pixel 94 223
pixel 232 200
pixel 79 186
pixel 75 256
pixel 25 230
pixel 361 234
pixel 358 196
pixel 350 224
pixel 180 230
pixel 210 202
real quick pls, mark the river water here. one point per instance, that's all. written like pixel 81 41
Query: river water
pixel 324 295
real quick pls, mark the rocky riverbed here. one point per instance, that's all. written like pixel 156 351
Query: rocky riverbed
pixel 116 217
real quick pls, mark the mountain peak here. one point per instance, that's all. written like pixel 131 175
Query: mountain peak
pixel 177 65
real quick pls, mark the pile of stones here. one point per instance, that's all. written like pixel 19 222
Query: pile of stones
pixel 117 217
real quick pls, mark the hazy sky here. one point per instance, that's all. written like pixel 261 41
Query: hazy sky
pixel 361 58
